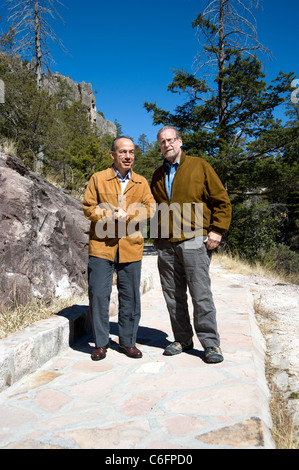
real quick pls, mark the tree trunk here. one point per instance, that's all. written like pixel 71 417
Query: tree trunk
pixel 221 61
pixel 38 51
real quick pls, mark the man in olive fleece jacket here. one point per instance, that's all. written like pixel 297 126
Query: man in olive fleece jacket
pixel 184 248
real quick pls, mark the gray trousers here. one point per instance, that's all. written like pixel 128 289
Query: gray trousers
pixel 100 273
pixel 181 265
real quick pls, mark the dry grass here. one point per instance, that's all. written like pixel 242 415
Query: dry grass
pixel 77 193
pixel 284 431
pixel 8 147
pixel 236 265
pixel 21 316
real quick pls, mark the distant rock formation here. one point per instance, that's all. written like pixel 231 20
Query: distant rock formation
pixel 83 93
pixel 43 237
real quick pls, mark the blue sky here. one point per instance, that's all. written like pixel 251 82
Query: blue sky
pixel 128 50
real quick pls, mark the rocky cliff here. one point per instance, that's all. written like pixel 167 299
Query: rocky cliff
pixel 43 237
pixel 81 92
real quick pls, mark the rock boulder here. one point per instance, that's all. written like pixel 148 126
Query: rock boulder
pixel 43 237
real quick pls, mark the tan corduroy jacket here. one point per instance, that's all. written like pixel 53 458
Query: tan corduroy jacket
pixel 102 194
pixel 195 183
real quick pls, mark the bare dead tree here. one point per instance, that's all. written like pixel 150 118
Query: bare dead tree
pixel 29 20
pixel 226 28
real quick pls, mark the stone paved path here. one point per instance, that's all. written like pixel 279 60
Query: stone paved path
pixel 156 402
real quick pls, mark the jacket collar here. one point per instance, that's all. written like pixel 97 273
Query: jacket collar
pixel 127 177
pixel 112 175
pixel 166 164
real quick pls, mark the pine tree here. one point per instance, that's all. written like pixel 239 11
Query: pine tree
pixel 230 124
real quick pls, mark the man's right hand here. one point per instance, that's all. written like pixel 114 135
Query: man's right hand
pixel 120 214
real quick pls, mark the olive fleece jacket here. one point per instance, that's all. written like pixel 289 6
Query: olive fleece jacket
pixel 195 182
pixel 106 236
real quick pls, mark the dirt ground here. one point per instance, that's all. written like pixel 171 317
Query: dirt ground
pixel 277 312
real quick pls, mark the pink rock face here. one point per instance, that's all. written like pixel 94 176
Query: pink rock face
pixel 43 237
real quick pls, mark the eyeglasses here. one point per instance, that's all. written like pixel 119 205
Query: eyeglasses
pixel 168 141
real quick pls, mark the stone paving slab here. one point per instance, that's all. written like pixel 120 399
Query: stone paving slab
pixel 157 402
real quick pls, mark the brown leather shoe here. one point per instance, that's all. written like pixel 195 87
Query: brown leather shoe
pixel 99 353
pixel 131 351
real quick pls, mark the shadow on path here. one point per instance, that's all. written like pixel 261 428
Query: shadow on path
pixel 146 336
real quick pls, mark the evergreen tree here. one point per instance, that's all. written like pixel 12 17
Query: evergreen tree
pixel 37 121
pixel 146 163
pixel 27 116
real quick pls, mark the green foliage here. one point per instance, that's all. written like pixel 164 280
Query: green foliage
pixel 27 115
pixel 147 158
pixel 52 134
pixel 285 261
pixel 254 229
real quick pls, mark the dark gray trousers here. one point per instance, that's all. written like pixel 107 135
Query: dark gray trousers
pixel 181 265
pixel 100 273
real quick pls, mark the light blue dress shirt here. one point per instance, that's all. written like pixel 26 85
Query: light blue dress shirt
pixel 170 169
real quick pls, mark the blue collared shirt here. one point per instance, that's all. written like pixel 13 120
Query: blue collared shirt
pixel 170 169
pixel 123 181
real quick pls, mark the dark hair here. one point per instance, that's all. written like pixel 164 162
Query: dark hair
pixel 165 128
pixel 113 146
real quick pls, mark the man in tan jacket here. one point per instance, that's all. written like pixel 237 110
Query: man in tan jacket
pixel 116 202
